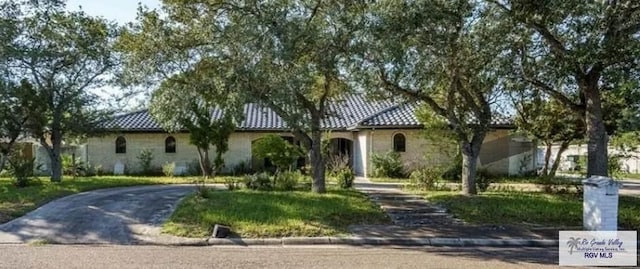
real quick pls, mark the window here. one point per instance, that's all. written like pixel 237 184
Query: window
pixel 121 145
pixel 170 145
pixel 399 143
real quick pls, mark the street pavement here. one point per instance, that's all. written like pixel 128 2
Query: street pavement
pixel 325 257
pixel 107 216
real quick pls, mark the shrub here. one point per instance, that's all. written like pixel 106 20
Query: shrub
pixel 345 178
pixel 68 166
pixel 483 180
pixel 193 168
pixel 453 172
pixel 280 152
pixel 21 170
pixel 168 169
pixel 426 178
pixel 232 183
pixel 259 181
pixel 242 168
pixel 387 165
pixel 337 163
pixel 288 180
pixel 145 157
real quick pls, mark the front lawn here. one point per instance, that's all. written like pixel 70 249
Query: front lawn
pixel 529 209
pixel 15 202
pixel 274 214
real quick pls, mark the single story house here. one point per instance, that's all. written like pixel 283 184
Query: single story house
pixel 357 127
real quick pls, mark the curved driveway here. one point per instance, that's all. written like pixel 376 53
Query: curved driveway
pixel 107 216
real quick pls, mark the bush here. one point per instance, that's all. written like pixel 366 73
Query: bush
pixel 453 172
pixel 337 163
pixel 259 181
pixel 193 168
pixel 21 170
pixel 145 157
pixel 68 165
pixel 232 183
pixel 168 169
pixel 427 178
pixel 483 180
pixel 280 152
pixel 242 168
pixel 345 178
pixel 387 165
pixel 287 181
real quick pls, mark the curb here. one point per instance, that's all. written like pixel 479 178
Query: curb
pixel 383 241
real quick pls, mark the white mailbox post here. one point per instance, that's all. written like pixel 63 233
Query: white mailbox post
pixel 600 204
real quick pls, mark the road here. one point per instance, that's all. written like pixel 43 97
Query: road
pixel 107 216
pixel 121 257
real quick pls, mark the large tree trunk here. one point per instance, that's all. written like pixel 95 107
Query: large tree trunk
pixel 317 162
pixel 470 153
pixel 55 155
pixel 556 163
pixel 596 132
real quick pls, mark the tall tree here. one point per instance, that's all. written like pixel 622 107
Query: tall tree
pixel 285 55
pixel 18 101
pixel 551 123
pixel 576 51
pixel 195 102
pixel 63 55
pixel 443 54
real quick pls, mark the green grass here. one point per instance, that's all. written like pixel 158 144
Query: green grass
pixel 15 202
pixel 529 209
pixel 389 180
pixel 257 214
pixel 630 176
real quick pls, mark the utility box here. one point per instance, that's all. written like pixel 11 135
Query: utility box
pixel 600 204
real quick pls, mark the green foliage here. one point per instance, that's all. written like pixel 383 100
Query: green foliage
pixel 232 183
pixel 258 181
pixel 483 180
pixel 242 168
pixel 168 169
pixel 280 152
pixel 70 168
pixel 337 163
pixel 145 158
pixel 62 55
pixel 288 180
pixel 21 170
pixel 427 179
pixel 387 165
pixel 345 178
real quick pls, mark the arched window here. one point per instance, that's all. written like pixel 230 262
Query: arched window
pixel 121 145
pixel 170 145
pixel 399 143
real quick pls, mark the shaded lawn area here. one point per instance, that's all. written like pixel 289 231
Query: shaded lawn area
pixel 15 202
pixel 529 209
pixel 258 214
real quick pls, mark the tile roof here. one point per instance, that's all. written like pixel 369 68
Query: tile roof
pixel 352 112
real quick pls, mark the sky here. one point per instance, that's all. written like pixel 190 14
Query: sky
pixel 121 12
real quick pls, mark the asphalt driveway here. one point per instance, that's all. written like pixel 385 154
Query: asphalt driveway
pixel 107 216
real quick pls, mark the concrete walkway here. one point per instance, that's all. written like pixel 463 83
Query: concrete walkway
pixel 416 217
pixel 128 215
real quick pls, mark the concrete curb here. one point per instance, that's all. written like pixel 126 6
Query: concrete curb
pixel 366 241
